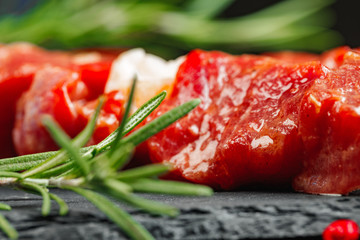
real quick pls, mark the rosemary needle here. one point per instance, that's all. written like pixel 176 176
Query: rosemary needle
pixel 64 140
pixel 169 187
pixel 7 228
pixel 152 170
pixel 45 210
pixel 63 207
pixel 4 206
pixel 116 214
pixel 10 174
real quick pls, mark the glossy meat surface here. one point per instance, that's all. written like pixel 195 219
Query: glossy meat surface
pixel 329 126
pixel 61 94
pixel 18 64
pixel 246 129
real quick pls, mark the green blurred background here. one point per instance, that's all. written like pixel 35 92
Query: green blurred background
pixel 173 27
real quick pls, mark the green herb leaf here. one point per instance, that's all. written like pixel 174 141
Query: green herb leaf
pixel 144 204
pixel 56 171
pixel 133 121
pixel 24 162
pixel 10 174
pixel 121 156
pixel 169 28
pixel 4 206
pixel 64 141
pixel 169 187
pixel 118 186
pixel 115 143
pixel 46 206
pixel 63 207
pixel 207 9
pixel 151 170
pixel 116 214
pixel 107 166
pixel 7 228
pixel 160 123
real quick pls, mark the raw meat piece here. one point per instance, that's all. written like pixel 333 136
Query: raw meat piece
pixel 63 95
pixel 334 57
pixel 18 63
pixel 329 127
pixel 245 131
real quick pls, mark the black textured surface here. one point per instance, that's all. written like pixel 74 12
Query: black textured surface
pixel 226 215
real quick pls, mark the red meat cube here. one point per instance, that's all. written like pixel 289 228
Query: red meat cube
pixel 245 131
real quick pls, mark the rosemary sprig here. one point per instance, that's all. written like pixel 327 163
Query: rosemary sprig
pixel 143 172
pixel 168 28
pixel 95 172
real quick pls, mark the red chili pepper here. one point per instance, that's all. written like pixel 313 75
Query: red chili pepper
pixel 341 230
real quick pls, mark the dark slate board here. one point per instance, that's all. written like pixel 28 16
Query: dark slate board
pixel 226 215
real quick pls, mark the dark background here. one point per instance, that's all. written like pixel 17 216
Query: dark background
pixel 346 16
